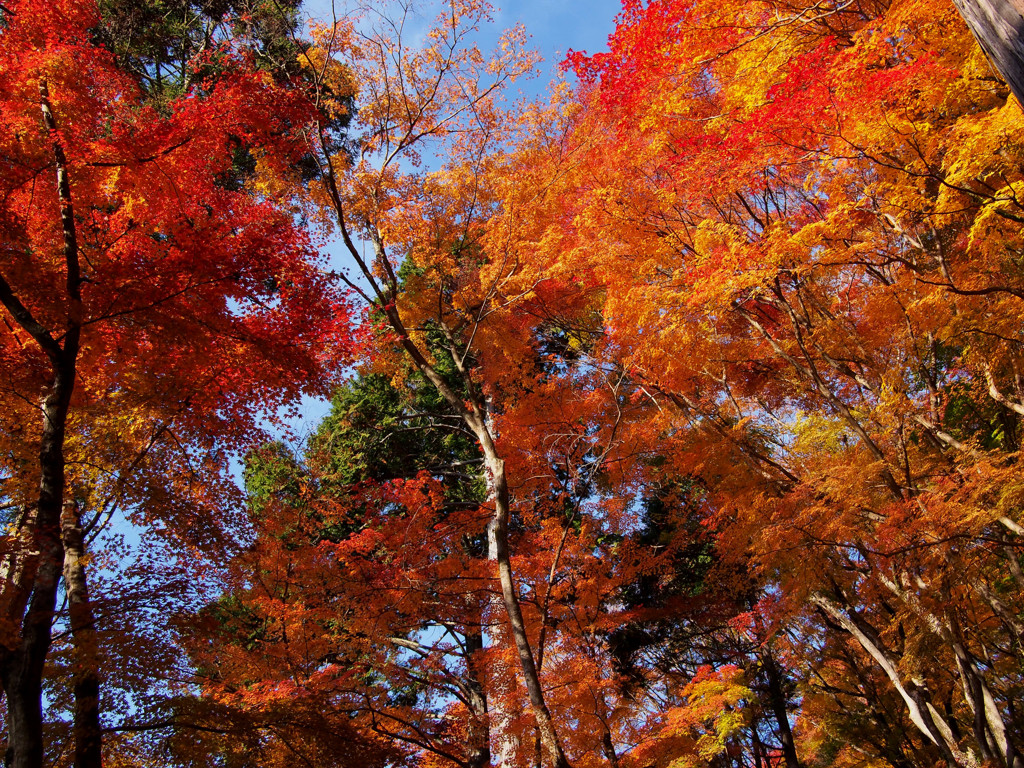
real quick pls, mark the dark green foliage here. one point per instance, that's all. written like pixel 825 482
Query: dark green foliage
pixel 272 473
pixel 376 433
pixel 231 617
pixel 243 167
pixel 968 416
pixel 679 621
pixel 172 44
pixel 673 518
pixel 361 439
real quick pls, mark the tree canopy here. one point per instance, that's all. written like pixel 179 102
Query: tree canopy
pixel 674 417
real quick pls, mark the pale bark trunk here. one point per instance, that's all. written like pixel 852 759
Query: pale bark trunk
pixel 507 743
pixel 998 26
pixel 498 535
pixel 990 732
pixel 914 693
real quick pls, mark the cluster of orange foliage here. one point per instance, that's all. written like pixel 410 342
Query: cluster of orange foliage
pixel 689 435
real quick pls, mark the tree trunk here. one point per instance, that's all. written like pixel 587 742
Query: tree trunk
pixel 777 697
pixel 472 415
pixel 87 729
pixel 25 657
pixel 497 532
pixel 998 26
pixel 497 529
pixel 991 733
pixel 914 693
pixel 478 733
pixel 23 668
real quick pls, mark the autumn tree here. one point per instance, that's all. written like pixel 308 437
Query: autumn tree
pixel 153 311
pixel 366 586
pixel 446 90
pixel 691 429
pixel 512 362
pixel 820 210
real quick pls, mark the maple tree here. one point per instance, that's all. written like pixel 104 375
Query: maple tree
pixel 810 235
pixel 447 89
pixel 156 303
pixel 445 349
pixel 762 264
pixel 362 562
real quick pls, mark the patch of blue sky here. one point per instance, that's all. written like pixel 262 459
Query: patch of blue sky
pixel 554 27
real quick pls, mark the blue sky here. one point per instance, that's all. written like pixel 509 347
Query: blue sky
pixel 557 27
pixel 554 27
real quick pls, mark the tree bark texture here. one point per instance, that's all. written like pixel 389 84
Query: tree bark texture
pixel 478 735
pixel 88 733
pixel 998 26
pixel 779 704
pixel 22 671
pixel 915 694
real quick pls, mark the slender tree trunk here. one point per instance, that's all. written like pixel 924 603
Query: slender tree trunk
pixel 502 684
pixel 497 532
pixel 609 748
pixel 607 744
pixel 472 414
pixel 23 670
pixel 538 752
pixel 479 731
pixel 777 696
pixel 24 660
pixel 914 693
pixel 497 528
pixel 994 739
pixel 755 744
pixel 990 731
pixel 87 728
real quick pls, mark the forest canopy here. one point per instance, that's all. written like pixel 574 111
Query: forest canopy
pixel 674 415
